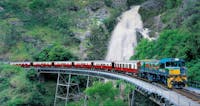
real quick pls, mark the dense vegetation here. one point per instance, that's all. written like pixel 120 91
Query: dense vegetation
pixel 106 94
pixel 179 38
pixel 19 87
pixel 29 27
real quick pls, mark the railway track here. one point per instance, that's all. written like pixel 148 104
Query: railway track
pixel 190 94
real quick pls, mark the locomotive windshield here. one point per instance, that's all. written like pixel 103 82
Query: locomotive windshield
pixel 175 64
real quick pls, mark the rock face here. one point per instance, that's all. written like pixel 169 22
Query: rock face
pixel 153 5
pixel 150 15
pixel 119 3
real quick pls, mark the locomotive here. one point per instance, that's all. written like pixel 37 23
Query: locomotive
pixel 170 72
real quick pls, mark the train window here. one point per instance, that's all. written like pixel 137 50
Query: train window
pixel 130 66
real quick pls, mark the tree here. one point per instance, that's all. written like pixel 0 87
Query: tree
pixel 16 87
pixel 97 43
pixel 104 94
pixel 54 53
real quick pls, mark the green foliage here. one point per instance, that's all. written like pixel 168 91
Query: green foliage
pixel 17 89
pixel 55 53
pixel 171 43
pixel 102 90
pixel 108 3
pixel 97 44
pixel 37 5
pixel 112 20
pixel 10 30
pixel 104 94
pixel 193 70
pixel 172 3
pixel 134 2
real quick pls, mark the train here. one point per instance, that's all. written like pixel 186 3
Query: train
pixel 170 72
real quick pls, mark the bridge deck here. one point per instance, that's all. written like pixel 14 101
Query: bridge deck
pixel 172 96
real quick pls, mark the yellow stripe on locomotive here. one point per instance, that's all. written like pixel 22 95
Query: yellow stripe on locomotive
pixel 174 72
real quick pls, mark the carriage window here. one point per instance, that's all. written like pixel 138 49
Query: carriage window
pixel 129 65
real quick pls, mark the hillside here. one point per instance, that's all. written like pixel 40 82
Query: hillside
pixel 28 28
pixel 177 22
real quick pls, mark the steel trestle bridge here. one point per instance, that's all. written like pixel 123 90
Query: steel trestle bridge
pixel 159 95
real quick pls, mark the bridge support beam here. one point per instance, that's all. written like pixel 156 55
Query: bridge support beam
pixel 88 81
pixel 132 98
pixel 65 90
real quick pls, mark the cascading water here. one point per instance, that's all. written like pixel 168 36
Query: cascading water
pixel 124 38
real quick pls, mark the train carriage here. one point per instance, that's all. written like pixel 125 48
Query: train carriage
pixel 82 64
pixel 21 64
pixel 127 67
pixel 67 64
pixel 104 65
pixel 43 64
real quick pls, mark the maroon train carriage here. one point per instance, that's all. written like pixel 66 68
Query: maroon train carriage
pixel 127 67
pixel 82 64
pixel 67 64
pixel 103 65
pixel 43 64
pixel 21 64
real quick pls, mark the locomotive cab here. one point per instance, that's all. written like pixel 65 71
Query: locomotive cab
pixel 175 71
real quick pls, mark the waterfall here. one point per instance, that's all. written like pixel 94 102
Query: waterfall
pixel 124 38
